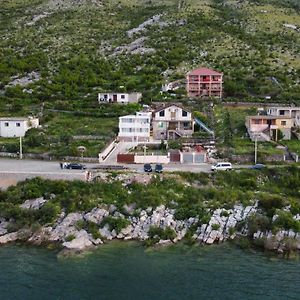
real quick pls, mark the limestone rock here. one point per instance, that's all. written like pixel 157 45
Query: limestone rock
pixel 96 215
pixel 81 241
pixel 34 203
pixel 10 237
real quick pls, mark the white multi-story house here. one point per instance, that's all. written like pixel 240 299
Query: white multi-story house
pixel 135 128
pixel 17 127
pixel 124 98
pixel 171 122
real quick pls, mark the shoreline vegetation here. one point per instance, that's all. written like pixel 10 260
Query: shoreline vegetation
pixel 253 208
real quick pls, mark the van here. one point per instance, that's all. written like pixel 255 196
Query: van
pixel 222 166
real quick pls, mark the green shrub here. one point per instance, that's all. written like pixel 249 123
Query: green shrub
pixel 258 222
pixel 70 238
pixel 215 226
pixel 161 234
pixel 116 224
pixel 286 221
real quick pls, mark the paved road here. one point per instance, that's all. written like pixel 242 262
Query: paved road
pixel 14 170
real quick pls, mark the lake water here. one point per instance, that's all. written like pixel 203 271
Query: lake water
pixel 128 271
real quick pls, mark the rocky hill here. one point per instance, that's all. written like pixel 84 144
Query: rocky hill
pixel 53 50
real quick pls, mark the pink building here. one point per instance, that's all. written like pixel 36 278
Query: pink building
pixel 204 82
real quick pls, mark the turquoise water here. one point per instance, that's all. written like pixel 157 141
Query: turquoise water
pixel 127 271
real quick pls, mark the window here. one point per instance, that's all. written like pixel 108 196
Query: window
pixel 186 125
pixel 281 112
pixel 184 113
pixel 6 124
pixel 127 120
pixel 18 124
pixel 122 96
pixel 162 113
pixel 255 121
pixel 160 125
pixel 283 123
pixel 105 96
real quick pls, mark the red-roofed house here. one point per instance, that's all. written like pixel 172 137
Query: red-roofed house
pixel 204 82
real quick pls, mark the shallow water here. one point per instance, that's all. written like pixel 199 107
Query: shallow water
pixel 128 271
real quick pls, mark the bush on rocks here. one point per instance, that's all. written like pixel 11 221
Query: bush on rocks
pixel 116 224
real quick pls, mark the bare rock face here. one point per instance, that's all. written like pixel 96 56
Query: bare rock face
pixel 96 215
pixel 34 203
pixel 105 232
pixel 10 237
pixel 3 227
pixel 66 227
pixel 41 236
pixel 81 241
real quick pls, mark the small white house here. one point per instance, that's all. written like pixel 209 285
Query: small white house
pixel 17 127
pixel 135 128
pixel 124 98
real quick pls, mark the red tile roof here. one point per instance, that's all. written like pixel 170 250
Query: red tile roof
pixel 204 71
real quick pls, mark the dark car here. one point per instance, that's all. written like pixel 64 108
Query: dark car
pixel 75 166
pixel 257 167
pixel 147 168
pixel 158 168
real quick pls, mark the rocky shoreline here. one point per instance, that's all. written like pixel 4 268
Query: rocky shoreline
pixel 139 225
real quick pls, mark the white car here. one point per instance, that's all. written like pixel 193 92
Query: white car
pixel 222 166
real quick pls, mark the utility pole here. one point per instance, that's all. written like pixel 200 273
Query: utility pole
pixel 21 153
pixel 255 150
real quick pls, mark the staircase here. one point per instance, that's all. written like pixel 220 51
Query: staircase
pixel 203 126
pixel 172 133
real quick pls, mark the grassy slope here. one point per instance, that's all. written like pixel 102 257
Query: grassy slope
pixel 248 42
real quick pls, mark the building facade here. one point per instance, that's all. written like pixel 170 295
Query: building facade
pixel 291 112
pixel 17 127
pixel 267 127
pixel 123 98
pixel 204 82
pixel 171 122
pixel 135 128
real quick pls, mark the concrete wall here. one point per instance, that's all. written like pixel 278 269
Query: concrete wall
pixel 15 127
pixel 193 157
pixel 104 154
pixel 151 159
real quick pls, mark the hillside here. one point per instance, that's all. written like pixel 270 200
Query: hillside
pixel 70 50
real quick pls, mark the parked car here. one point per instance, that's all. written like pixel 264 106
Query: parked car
pixel 75 166
pixel 222 166
pixel 257 167
pixel 147 168
pixel 158 168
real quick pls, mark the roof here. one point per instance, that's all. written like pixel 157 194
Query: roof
pixel 169 105
pixel 285 107
pixel 14 119
pixel 268 117
pixel 204 71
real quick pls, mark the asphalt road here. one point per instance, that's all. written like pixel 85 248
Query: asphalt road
pixel 14 170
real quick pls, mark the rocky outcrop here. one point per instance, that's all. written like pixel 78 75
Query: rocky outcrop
pixel 10 237
pixel 96 215
pixel 34 203
pixel 82 241
pixel 72 230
